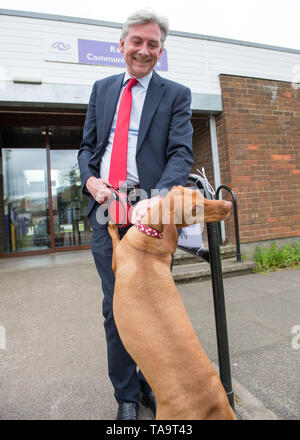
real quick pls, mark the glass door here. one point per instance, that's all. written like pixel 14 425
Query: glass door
pixel 24 213
pixel 42 206
pixel 69 205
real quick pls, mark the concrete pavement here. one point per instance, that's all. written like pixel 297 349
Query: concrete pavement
pixel 53 364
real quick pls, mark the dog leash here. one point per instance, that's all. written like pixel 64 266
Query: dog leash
pixel 119 207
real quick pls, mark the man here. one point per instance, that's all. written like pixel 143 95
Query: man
pixel 159 156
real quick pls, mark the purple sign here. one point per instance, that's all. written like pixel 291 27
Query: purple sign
pixel 108 54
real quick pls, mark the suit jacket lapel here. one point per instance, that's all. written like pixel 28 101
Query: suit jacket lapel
pixel 154 94
pixel 111 100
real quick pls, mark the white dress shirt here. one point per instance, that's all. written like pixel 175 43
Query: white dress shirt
pixel 138 98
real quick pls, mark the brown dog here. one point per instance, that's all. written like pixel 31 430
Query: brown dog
pixel 150 316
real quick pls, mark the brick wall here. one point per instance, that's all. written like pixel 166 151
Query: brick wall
pixel 259 150
pixel 202 148
pixel 202 152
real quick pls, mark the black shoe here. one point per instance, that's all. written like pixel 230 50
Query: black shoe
pixel 148 400
pixel 128 411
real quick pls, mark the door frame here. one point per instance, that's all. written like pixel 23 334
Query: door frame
pixel 52 249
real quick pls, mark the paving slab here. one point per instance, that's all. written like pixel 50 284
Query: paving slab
pixel 54 364
pixel 262 310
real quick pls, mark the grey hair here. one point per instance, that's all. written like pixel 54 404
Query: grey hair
pixel 147 15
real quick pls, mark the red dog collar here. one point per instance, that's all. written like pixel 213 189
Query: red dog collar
pixel 149 231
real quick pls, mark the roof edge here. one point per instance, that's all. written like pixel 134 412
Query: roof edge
pixel 43 16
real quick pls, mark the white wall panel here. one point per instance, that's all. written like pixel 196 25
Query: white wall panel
pixel 195 62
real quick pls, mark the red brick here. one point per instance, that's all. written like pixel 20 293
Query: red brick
pixel 259 149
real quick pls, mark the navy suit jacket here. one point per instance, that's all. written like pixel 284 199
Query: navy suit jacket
pixel 164 154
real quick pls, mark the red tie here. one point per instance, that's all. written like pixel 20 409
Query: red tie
pixel 118 161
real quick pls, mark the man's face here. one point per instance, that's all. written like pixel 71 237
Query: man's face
pixel 142 48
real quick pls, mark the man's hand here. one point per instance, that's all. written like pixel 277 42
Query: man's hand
pixel 98 189
pixel 141 208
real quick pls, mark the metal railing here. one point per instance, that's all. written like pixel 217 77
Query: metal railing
pixel 236 220
pixel 213 257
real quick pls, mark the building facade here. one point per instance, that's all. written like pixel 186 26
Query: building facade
pixel 245 114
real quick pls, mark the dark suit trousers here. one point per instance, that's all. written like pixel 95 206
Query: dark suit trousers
pixel 121 367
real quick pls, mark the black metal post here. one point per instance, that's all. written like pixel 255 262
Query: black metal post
pixel 219 299
pixel 220 310
pixel 236 220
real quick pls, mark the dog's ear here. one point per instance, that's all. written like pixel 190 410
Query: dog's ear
pixel 170 235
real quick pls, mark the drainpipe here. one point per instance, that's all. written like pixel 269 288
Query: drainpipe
pixel 215 161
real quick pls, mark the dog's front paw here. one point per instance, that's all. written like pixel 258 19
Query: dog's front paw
pixel 113 230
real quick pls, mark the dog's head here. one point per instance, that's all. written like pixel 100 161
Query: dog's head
pixel 184 207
